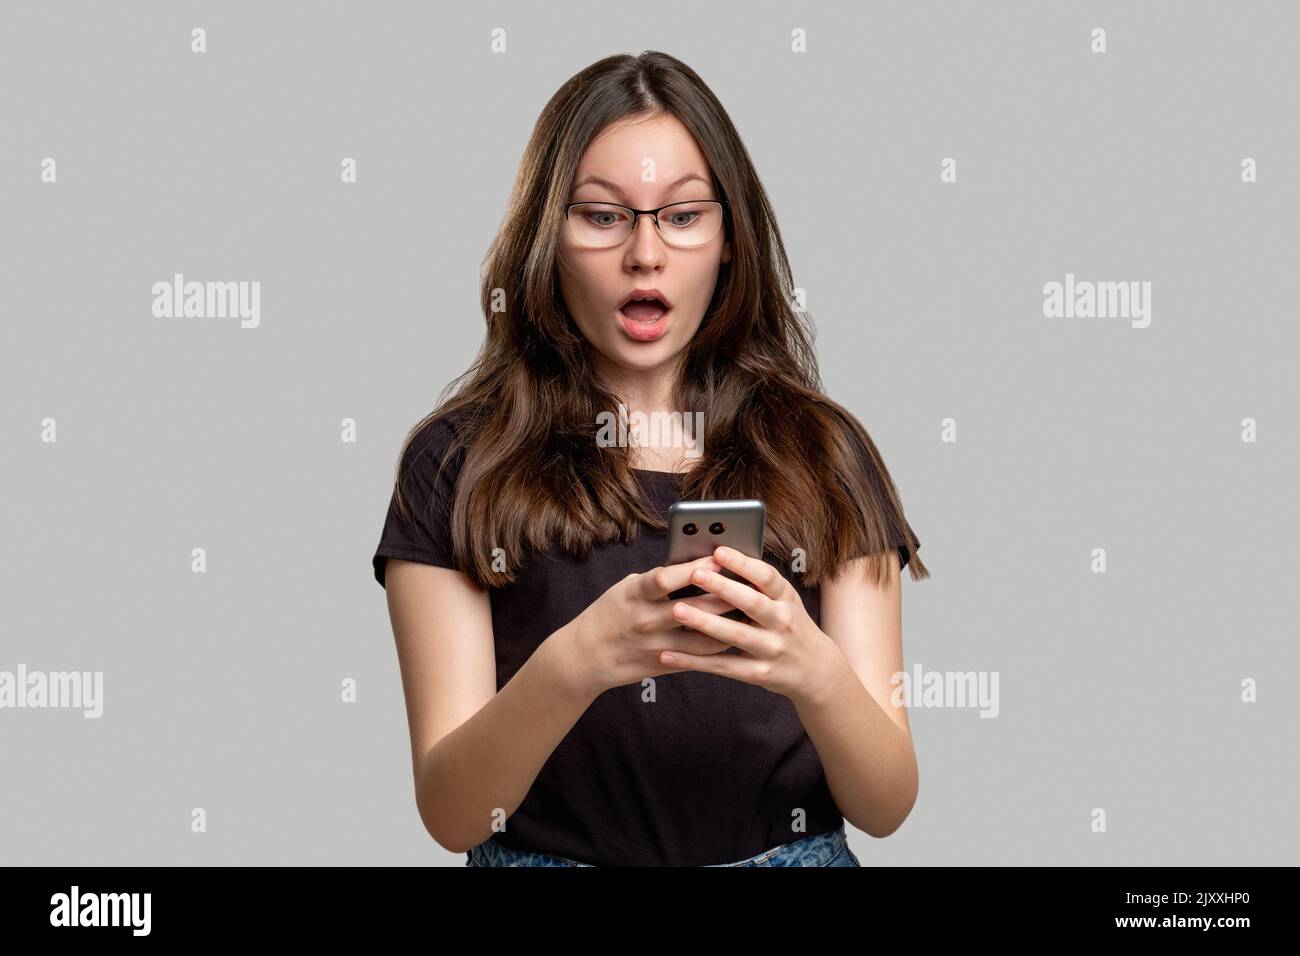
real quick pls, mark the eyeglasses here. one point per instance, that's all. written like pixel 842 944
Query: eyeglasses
pixel 604 225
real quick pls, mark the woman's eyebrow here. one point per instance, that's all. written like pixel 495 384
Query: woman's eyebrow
pixel 598 181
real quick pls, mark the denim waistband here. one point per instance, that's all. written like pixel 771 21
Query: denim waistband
pixel 821 849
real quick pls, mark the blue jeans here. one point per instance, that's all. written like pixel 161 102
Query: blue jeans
pixel 824 849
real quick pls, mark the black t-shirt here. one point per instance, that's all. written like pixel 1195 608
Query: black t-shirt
pixel 713 770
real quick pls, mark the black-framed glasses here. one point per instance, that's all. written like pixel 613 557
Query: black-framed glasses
pixel 604 225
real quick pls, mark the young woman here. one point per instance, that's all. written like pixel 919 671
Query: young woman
pixel 562 709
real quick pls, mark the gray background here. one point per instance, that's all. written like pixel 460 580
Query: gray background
pixel 1119 691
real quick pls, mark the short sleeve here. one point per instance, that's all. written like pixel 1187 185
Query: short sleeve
pixel 900 542
pixel 878 476
pixel 423 532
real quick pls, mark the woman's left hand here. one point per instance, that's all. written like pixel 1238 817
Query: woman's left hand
pixel 781 649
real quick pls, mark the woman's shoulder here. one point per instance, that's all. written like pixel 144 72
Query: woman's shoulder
pixel 846 434
pixel 868 480
pixel 430 441
pixel 441 429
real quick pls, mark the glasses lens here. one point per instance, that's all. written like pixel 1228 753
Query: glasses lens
pixel 690 223
pixel 599 225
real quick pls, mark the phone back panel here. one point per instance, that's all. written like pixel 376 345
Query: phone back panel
pixel 742 528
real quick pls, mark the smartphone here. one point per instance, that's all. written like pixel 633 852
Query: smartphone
pixel 696 528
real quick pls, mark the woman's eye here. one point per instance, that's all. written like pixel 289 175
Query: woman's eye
pixel 682 218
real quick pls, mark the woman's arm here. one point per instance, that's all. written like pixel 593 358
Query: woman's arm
pixel 864 741
pixel 475 752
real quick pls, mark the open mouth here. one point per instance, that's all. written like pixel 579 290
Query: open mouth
pixel 647 309
pixel 644 315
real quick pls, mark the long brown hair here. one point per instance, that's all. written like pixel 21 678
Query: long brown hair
pixel 533 476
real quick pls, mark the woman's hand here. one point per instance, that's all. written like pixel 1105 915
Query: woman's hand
pixel 781 648
pixel 618 638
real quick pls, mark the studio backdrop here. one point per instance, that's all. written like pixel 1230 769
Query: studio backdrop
pixel 1050 254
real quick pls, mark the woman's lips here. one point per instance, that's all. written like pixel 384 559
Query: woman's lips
pixel 641 330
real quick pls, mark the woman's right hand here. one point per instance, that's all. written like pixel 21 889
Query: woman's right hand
pixel 617 638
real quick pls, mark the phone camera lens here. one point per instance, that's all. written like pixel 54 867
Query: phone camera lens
pixel 716 528
pixel 689 528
